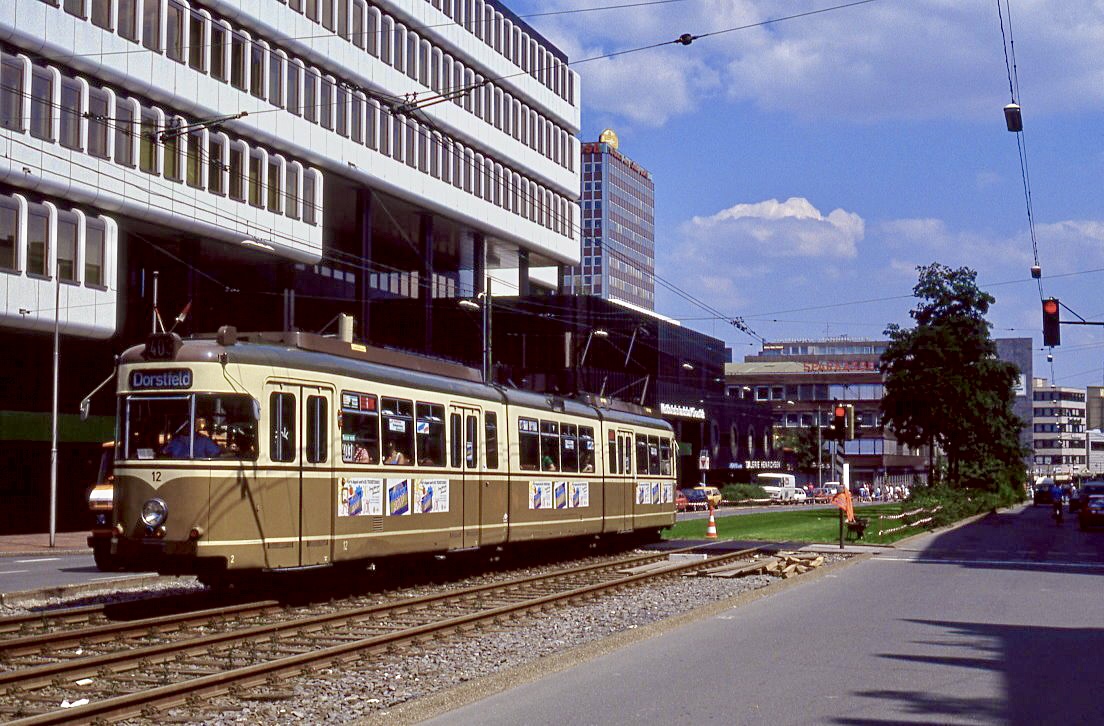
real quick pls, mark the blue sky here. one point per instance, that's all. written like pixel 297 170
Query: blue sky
pixel 819 160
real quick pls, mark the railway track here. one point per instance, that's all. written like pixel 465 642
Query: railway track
pixel 160 663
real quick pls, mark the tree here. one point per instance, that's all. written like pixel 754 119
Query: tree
pixel 802 444
pixel 944 385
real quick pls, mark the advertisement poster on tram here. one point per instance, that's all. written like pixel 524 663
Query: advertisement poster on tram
pixel 580 494
pixel 431 495
pixel 540 495
pixel 360 497
pixel 560 494
pixel 398 497
pixel 643 493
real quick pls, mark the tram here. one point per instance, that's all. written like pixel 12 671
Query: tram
pixel 245 453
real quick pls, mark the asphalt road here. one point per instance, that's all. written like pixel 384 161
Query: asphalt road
pixel 997 622
pixel 18 573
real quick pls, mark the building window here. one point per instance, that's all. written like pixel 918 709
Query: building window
pixel 237 61
pixel 101 13
pixel 274 187
pixel 256 168
pixel 256 70
pixel 11 94
pixel 237 174
pixel 357 121
pixel 197 47
pixel 171 144
pixel 310 109
pixel 42 104
pixel 9 232
pixel 67 246
pixel 342 111
pixel 214 166
pixel 325 103
pixel 147 144
pixel 218 52
pixel 71 114
pixel 174 31
pixel 74 7
pixel 275 79
pixel 291 184
pixel 293 89
pixel 94 234
pixel 128 19
pixel 97 122
pixel 124 133
pixel 309 209
pixel 38 236
pixel 195 159
pixel 151 24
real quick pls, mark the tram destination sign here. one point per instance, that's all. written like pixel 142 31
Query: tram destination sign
pixel 160 379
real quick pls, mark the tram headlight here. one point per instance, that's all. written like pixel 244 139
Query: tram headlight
pixel 154 512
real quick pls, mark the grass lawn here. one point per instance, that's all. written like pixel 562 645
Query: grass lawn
pixel 797 524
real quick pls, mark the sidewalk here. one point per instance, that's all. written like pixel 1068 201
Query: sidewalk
pixel 65 543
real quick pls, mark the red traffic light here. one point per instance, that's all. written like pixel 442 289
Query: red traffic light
pixel 1050 306
pixel 1052 330
pixel 840 412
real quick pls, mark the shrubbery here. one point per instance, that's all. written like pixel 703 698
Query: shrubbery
pixel 960 503
pixel 738 492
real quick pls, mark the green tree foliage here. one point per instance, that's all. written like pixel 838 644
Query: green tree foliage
pixel 945 386
pixel 801 443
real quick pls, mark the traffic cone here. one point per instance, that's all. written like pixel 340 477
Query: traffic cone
pixel 711 530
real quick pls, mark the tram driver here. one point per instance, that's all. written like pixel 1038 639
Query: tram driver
pixel 180 447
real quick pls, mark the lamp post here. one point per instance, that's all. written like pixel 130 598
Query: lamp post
pixel 54 413
pixel 595 333
pixel 485 309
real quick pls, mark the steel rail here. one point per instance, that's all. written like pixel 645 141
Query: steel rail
pixel 169 696
pixel 119 661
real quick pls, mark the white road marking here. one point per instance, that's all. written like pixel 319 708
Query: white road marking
pixel 948 561
pixel 13 572
pixel 44 559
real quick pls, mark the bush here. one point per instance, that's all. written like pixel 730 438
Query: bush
pixel 960 503
pixel 739 492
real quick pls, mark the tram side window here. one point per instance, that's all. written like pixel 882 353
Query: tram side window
pixel 281 423
pixel 641 454
pixel 569 448
pixel 471 442
pixel 490 436
pixel 586 449
pixel 528 444
pixel 152 422
pixel 317 430
pixel 360 438
pixel 653 455
pixel 613 455
pixel 431 434
pixel 398 431
pixel 550 446
pixel 454 440
pixel 665 457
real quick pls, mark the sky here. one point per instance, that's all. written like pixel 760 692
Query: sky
pixel 804 168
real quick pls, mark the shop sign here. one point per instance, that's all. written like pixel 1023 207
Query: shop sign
pixel 676 409
pixel 841 366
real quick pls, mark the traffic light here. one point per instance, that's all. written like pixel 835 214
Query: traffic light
pixel 849 428
pixel 839 422
pixel 1052 333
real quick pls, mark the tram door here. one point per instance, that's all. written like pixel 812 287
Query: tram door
pixel 299 498
pixel 628 492
pixel 464 448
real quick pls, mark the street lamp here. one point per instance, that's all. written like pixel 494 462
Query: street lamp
pixel 485 307
pixel 596 333
pixel 687 366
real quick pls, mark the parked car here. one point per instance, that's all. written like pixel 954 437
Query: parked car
pixel 1042 496
pixel 696 498
pixel 1092 505
pixel 800 496
pixel 712 495
pixel 823 494
pixel 681 502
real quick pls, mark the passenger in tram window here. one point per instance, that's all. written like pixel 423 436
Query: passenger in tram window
pixel 394 456
pixel 547 464
pixel 361 454
pixel 586 460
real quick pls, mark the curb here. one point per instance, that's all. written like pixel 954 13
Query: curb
pixel 40 596
pixel 46 551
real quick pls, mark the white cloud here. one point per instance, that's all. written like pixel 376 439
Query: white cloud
pixel 793 228
pixel 923 59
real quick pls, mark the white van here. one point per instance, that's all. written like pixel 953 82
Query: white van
pixel 781 488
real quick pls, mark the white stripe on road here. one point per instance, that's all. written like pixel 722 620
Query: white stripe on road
pixel 44 559
pixel 13 572
pixel 947 561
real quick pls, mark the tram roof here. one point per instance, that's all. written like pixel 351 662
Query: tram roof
pixel 311 352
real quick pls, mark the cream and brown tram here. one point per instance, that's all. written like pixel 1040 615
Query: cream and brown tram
pixel 279 451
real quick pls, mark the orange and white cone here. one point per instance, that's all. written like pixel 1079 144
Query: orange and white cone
pixel 711 530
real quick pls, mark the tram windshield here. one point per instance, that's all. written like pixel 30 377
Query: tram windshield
pixel 189 426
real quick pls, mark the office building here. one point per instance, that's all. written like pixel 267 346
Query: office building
pixel 261 163
pixel 618 227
